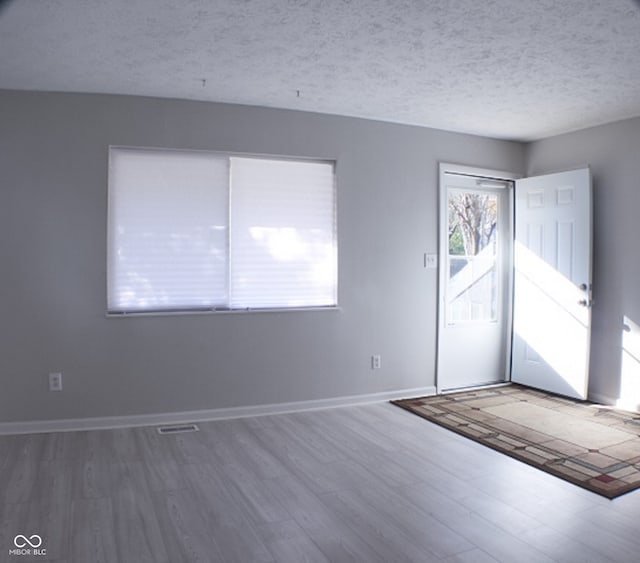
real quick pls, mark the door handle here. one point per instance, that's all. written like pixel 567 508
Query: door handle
pixel 587 301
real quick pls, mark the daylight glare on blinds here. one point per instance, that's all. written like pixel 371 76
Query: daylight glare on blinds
pixel 168 219
pixel 282 234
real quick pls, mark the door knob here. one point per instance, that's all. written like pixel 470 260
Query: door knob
pixel 583 302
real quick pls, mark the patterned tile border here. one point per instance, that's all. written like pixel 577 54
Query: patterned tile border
pixel 610 470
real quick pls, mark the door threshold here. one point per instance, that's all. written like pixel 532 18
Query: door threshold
pixel 475 387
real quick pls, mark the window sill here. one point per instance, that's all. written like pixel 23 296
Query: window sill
pixel 127 314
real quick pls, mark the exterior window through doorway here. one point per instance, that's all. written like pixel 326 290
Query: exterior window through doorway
pixel 472 256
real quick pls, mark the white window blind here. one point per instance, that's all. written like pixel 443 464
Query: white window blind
pixel 167 230
pixel 200 230
pixel 282 233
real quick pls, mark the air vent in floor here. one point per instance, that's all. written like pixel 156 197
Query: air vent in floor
pixel 177 428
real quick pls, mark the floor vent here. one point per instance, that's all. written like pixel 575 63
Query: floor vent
pixel 177 428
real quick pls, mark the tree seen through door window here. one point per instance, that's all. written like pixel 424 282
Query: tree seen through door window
pixel 472 229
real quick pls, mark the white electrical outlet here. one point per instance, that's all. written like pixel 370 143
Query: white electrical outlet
pixel 55 381
pixel 376 362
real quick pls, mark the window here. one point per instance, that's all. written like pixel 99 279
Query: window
pixel 195 230
pixel 473 256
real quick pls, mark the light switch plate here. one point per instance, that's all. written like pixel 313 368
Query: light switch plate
pixel 431 261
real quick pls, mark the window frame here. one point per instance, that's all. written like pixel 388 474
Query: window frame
pixel 224 310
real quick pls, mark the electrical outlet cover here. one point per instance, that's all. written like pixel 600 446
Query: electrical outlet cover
pixel 55 381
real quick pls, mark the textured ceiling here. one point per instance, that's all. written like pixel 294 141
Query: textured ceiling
pixel 515 69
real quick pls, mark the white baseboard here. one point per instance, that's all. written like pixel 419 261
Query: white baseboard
pixel 601 399
pixel 107 422
pixel 631 404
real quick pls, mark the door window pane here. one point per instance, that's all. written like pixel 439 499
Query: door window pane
pixel 472 287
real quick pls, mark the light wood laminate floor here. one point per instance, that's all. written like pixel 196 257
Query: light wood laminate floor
pixel 368 484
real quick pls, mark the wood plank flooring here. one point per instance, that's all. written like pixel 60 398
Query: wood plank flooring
pixel 368 484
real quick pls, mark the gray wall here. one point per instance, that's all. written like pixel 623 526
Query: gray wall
pixel 53 176
pixel 613 153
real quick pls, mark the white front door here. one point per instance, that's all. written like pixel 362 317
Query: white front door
pixel 552 286
pixel 474 311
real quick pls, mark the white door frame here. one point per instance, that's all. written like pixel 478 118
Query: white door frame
pixel 443 248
